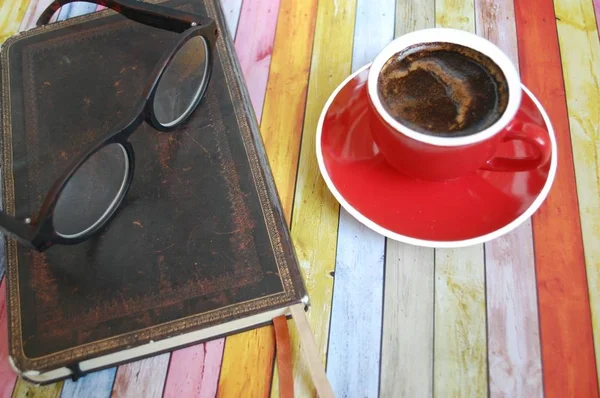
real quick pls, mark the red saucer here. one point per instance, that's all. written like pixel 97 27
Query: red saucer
pixel 461 212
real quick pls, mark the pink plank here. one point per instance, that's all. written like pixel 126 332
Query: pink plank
pixel 7 376
pixel 597 8
pixel 194 371
pixel 254 46
pixel 36 7
pixel 143 378
pixel 514 354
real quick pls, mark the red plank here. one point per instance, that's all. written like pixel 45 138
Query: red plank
pixel 568 362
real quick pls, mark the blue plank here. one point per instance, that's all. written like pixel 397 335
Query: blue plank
pixel 355 336
pixel 95 385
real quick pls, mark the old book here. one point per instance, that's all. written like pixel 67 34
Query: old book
pixel 200 247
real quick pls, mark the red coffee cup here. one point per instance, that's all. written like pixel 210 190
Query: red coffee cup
pixel 438 157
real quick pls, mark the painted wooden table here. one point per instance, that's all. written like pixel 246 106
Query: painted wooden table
pixel 516 317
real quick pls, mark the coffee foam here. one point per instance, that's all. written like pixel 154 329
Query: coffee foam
pixel 443 89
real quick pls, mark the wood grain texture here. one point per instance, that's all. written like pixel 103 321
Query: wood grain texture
pixel 460 367
pixel 251 373
pixel 413 15
pixel 457 14
pixel 281 126
pixel 25 389
pixel 247 364
pixel 194 371
pixel 315 211
pixel 407 338
pixel 355 336
pixel 407 352
pixel 460 349
pixel 254 46
pixel 11 14
pixel 514 356
pixel 580 56
pixel 94 385
pixel 568 362
pixel 8 377
pixel 143 378
pixel 358 283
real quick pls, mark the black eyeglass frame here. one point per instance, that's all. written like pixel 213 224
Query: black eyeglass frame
pixel 39 233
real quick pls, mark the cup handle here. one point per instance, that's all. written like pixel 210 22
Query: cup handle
pixel 533 135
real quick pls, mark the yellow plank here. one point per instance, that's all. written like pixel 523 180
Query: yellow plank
pixel 281 126
pixel 580 57
pixel 315 212
pixel 11 14
pixel 460 352
pixel 25 389
pixel 281 129
pixel 254 348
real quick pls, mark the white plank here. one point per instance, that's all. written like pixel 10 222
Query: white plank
pixel 407 346
pixel 407 337
pixel 231 10
pixel 460 347
pixel 355 335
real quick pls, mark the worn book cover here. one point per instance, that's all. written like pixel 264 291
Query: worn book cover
pixel 200 247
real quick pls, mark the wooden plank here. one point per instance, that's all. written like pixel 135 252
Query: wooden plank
pixel 358 282
pixel 194 371
pixel 94 385
pixel 407 338
pixel 315 211
pixel 35 9
pixel 231 10
pixel 11 15
pixel 254 46
pixel 143 378
pixel 407 352
pixel 580 56
pixel 253 377
pixel 460 368
pixel 25 389
pixel 281 126
pixel 514 356
pixel 8 377
pixel 288 78
pixel 460 352
pixel 567 346
pixel 250 373
pixel 75 9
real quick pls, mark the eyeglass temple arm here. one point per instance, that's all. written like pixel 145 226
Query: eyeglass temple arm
pixel 146 13
pixel 17 229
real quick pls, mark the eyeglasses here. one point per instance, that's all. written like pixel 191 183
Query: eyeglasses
pixel 87 194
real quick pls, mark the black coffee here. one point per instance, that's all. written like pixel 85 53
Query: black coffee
pixel 443 89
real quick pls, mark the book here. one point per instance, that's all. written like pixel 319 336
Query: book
pixel 198 250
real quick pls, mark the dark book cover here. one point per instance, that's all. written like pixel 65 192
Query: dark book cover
pixel 200 240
